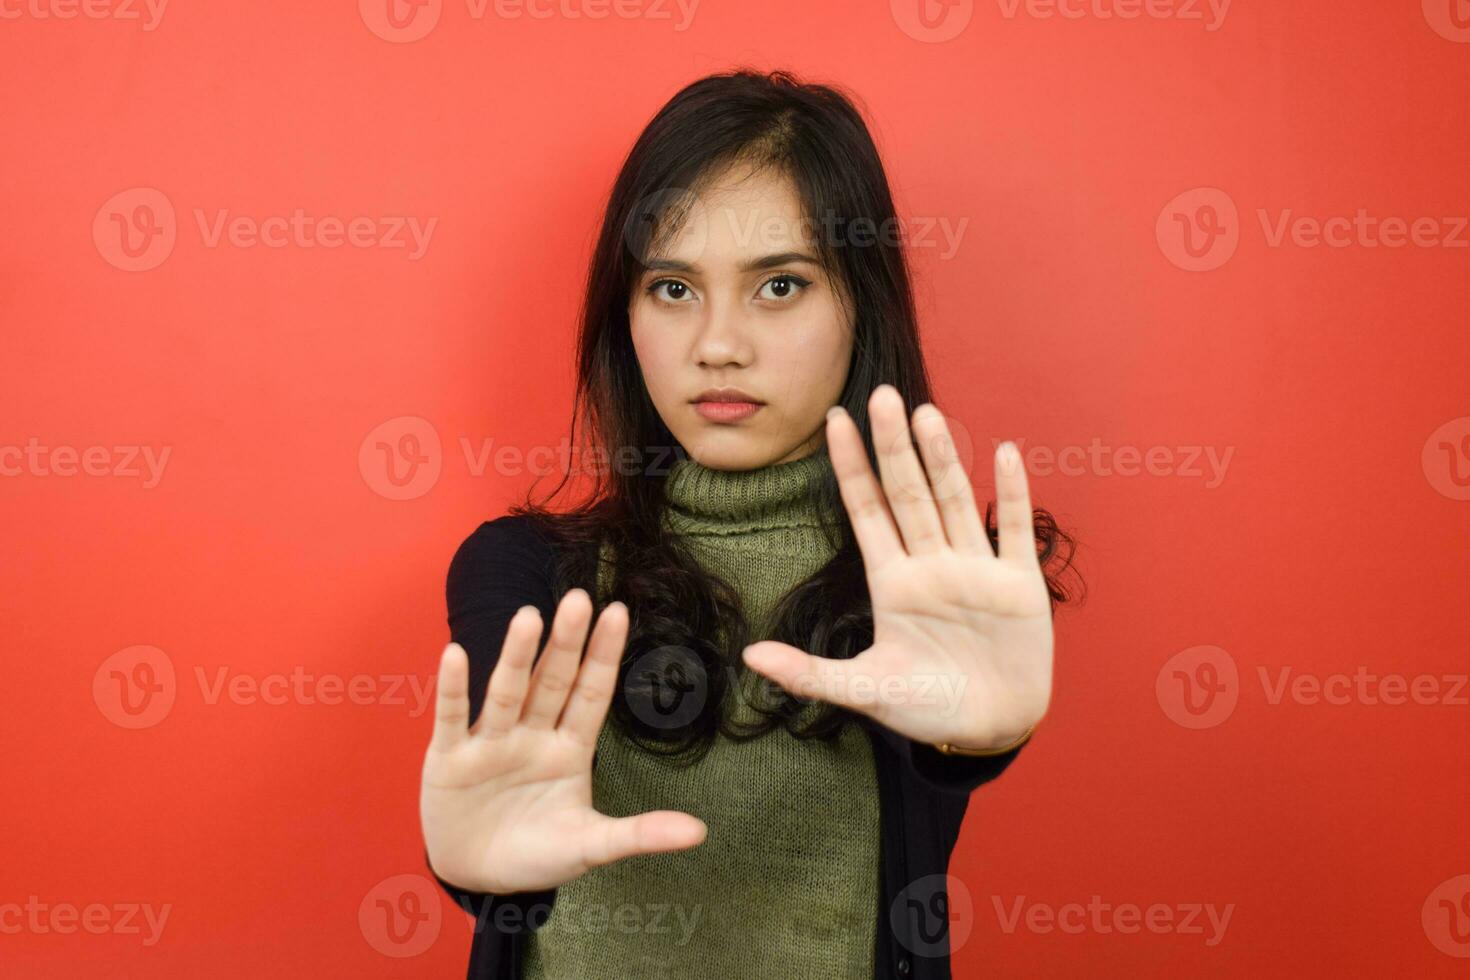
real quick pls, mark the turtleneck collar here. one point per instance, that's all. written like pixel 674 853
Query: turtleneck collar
pixel 713 501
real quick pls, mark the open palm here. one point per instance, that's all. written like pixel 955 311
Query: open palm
pixel 506 803
pixel 962 649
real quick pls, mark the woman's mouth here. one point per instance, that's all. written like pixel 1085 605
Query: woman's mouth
pixel 726 411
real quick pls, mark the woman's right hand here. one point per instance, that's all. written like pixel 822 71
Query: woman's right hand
pixel 506 804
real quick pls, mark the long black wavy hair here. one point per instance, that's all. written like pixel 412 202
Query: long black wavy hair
pixel 687 627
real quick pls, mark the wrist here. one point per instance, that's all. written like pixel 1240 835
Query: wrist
pixel 999 748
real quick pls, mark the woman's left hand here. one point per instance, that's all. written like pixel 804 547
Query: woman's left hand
pixel 962 649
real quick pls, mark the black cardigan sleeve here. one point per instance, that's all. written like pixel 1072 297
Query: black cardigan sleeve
pixel 503 565
pixel 957 774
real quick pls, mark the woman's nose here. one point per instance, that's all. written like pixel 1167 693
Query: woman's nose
pixel 724 333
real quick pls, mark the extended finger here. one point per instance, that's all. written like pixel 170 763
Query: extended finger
pixel 806 676
pixel 451 702
pixel 554 673
pixel 612 839
pixel 587 705
pixel 872 525
pixel 904 480
pixel 505 692
pixel 1013 501
pixel 962 524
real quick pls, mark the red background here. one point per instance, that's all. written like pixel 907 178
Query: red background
pixel 1335 541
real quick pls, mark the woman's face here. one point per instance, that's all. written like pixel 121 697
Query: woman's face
pixel 736 299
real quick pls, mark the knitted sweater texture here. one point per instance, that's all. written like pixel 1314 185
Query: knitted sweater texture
pixel 786 884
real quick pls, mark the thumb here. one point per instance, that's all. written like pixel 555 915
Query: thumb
pixel 614 838
pixel 807 676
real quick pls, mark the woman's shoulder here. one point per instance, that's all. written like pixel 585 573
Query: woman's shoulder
pixel 524 554
pixel 510 538
pixel 510 554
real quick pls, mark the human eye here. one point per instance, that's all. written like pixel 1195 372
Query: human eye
pixel 786 293
pixel 680 290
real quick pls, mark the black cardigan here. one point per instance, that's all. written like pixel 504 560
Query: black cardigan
pixel 505 564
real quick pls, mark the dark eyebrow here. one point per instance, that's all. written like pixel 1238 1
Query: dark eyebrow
pixel 754 265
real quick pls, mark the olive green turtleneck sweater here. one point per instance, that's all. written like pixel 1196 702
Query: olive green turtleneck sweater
pixel 786 883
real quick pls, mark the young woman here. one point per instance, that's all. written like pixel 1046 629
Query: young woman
pixel 808 665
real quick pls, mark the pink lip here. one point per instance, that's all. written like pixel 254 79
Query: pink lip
pixel 726 411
